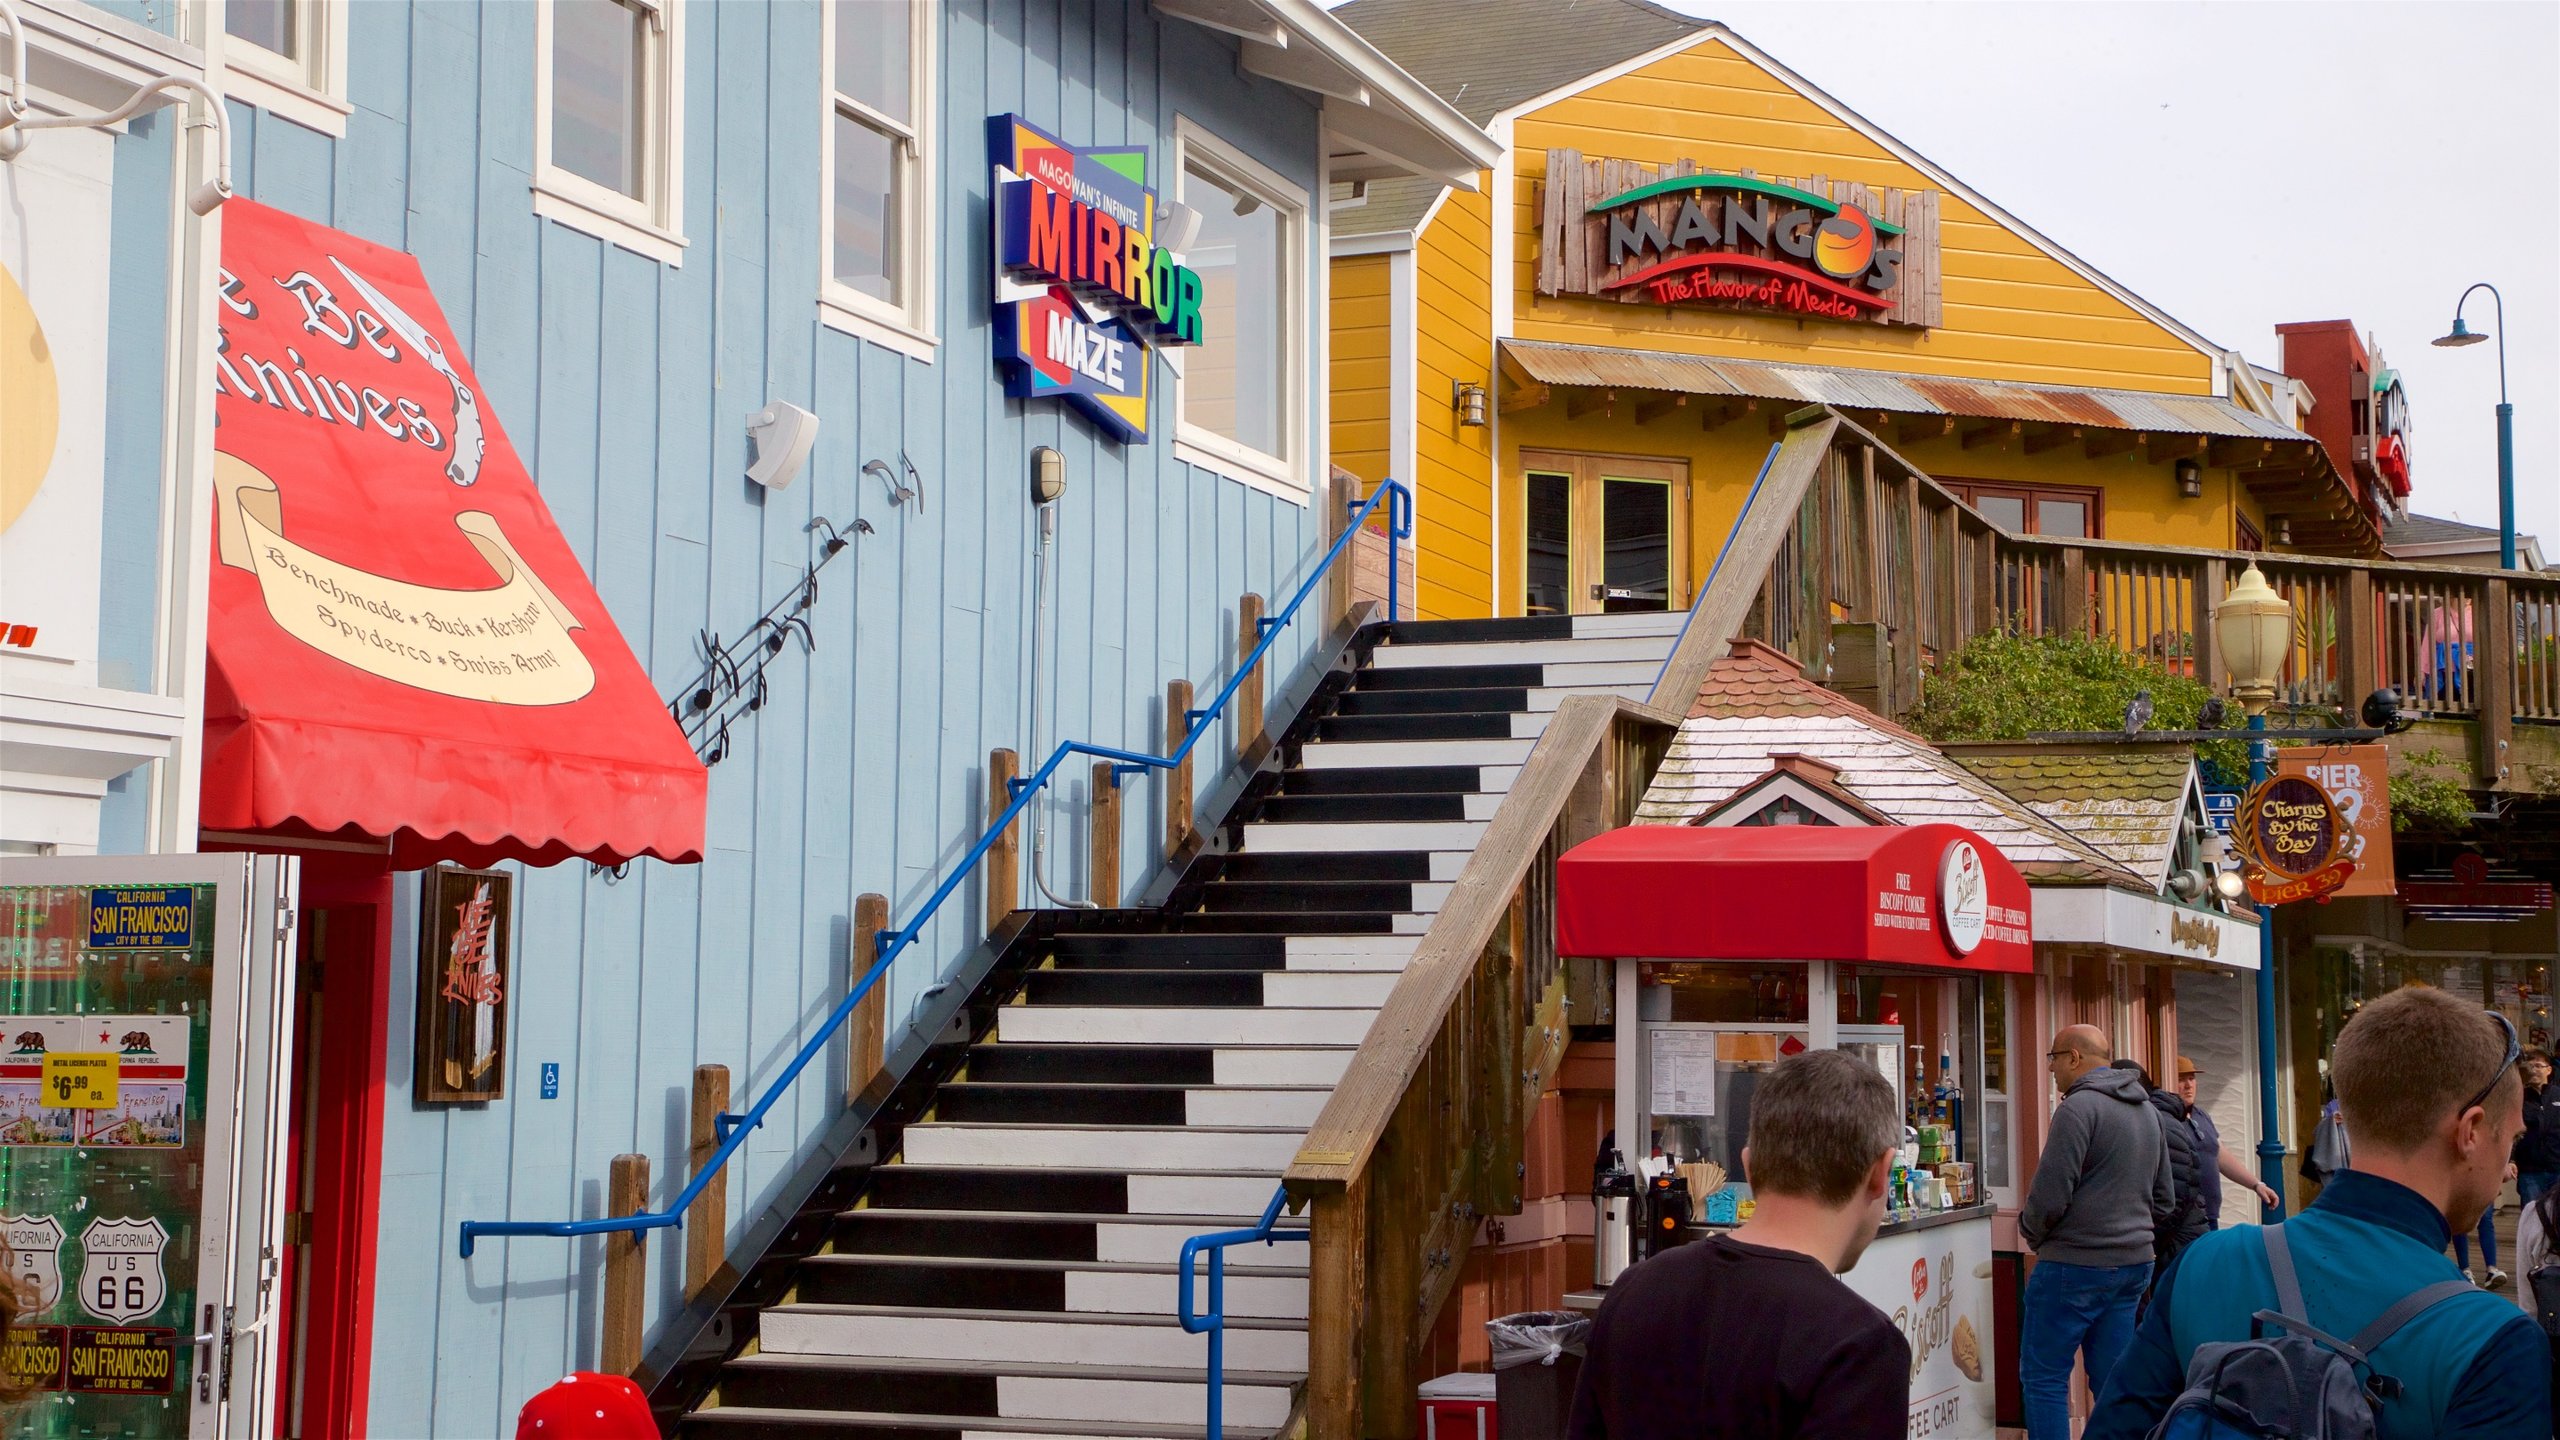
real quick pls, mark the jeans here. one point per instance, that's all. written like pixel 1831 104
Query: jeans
pixel 2531 1183
pixel 2488 1243
pixel 2083 1310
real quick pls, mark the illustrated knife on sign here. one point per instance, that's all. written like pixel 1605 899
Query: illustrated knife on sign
pixel 468 441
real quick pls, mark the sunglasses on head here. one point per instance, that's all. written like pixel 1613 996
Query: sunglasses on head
pixel 2515 1052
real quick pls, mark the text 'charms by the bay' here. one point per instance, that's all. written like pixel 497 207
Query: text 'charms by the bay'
pixel 35 1261
pixel 1089 276
pixel 121 1278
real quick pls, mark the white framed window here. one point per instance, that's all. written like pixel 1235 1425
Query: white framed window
pixel 289 57
pixel 876 243
pixel 608 121
pixel 1241 401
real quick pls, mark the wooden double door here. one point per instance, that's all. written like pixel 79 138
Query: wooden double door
pixel 1606 534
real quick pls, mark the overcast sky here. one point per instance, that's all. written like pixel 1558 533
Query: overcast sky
pixel 2239 165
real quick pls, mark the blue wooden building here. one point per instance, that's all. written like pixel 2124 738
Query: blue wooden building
pixel 650 225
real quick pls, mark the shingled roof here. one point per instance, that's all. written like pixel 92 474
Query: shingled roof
pixel 1755 704
pixel 2125 800
pixel 1486 56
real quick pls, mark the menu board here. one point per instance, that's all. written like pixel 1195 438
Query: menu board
pixel 105 992
pixel 1683 1065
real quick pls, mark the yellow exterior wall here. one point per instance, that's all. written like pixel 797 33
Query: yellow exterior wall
pixel 1360 315
pixel 1453 463
pixel 2012 312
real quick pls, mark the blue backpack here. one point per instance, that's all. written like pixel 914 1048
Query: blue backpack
pixel 2301 1384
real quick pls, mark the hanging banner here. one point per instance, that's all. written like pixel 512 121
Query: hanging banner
pixel 2358 780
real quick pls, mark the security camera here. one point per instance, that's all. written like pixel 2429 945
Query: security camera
pixel 783 433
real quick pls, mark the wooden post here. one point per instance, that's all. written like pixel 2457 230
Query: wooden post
pixel 1104 860
pixel 2074 580
pixel 1337 1305
pixel 2495 650
pixel 626 1269
pixel 706 1221
pixel 2359 660
pixel 1250 738
pixel 1177 783
pixel 2211 582
pixel 1004 858
pixel 870 917
pixel 1337 586
pixel 1986 617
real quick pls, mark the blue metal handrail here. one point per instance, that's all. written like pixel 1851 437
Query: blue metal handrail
pixel 1265 1231
pixel 732 1129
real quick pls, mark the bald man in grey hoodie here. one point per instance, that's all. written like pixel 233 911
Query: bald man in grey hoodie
pixel 2101 1187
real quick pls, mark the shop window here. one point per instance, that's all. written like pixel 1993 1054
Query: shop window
pixel 878 153
pixel 2063 511
pixel 608 133
pixel 1242 395
pixel 289 57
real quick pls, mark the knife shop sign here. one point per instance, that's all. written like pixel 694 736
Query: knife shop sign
pixel 2292 840
pixel 363 501
pixel 1681 237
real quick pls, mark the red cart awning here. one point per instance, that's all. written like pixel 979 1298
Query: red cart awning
pixel 1930 895
pixel 402 646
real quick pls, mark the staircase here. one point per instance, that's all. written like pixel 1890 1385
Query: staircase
pixel 1011 1272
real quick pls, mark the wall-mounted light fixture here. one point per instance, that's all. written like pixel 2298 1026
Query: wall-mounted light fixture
pixel 2190 477
pixel 2283 533
pixel 1469 401
pixel 1048 476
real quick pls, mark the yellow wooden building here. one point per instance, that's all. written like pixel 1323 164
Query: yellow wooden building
pixel 1581 365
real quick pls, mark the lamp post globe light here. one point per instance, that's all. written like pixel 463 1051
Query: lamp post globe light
pixel 2254 627
pixel 2462 334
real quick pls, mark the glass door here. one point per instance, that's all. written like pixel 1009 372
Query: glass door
pixel 1605 534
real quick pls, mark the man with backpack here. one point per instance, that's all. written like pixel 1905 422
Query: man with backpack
pixel 2347 1321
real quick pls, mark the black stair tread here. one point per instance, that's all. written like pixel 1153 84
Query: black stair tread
pixel 1167 1129
pixel 1393 897
pixel 1162 1374
pixel 1083 1267
pixel 1171 957
pixel 1451 677
pixel 1018 1062
pixel 1383 809
pixel 1143 988
pixel 1496 700
pixel 1166 1321
pixel 1385 780
pixel 1109 942
pixel 1373 728
pixel 1134 1087
pixel 1286 922
pixel 824 1424
pixel 1411 866
pixel 1203 1223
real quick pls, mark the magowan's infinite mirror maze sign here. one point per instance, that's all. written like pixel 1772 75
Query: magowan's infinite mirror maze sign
pixel 1682 236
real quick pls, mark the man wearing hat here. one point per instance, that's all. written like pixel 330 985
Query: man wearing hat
pixel 2211 1158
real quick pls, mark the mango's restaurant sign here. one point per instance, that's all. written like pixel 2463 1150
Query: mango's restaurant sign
pixel 401 642
pixel 1084 293
pixel 1677 235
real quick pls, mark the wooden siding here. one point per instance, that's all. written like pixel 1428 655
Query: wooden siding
pixel 1359 372
pixel 625 385
pixel 2012 312
pixel 1453 475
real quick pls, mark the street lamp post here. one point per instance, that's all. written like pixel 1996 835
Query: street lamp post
pixel 2463 335
pixel 2254 626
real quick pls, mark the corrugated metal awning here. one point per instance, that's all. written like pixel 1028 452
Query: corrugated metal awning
pixel 1547 363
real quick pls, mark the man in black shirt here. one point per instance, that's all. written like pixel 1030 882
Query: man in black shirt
pixel 1750 1336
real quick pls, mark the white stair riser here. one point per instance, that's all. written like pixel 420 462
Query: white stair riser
pixel 1593 673
pixel 1317 947
pixel 1276 1066
pixel 1350 964
pixel 1665 623
pixel 1655 648
pixel 1255 1297
pixel 1014 1147
pixel 1287 988
pixel 1545 700
pixel 1405 754
pixel 791 1330
pixel 1414 925
pixel 1297 838
pixel 1123 1242
pixel 1253 1107
pixel 1180 1194
pixel 1146 1025
pixel 1025 1397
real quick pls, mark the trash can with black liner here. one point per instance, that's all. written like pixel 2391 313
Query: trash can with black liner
pixel 1537 1361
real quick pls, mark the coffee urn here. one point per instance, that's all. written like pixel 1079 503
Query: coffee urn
pixel 1613 1203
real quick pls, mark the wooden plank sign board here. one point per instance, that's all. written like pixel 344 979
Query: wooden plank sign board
pixel 1808 248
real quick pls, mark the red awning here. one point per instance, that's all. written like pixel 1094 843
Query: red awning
pixel 402 646
pixel 1931 895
